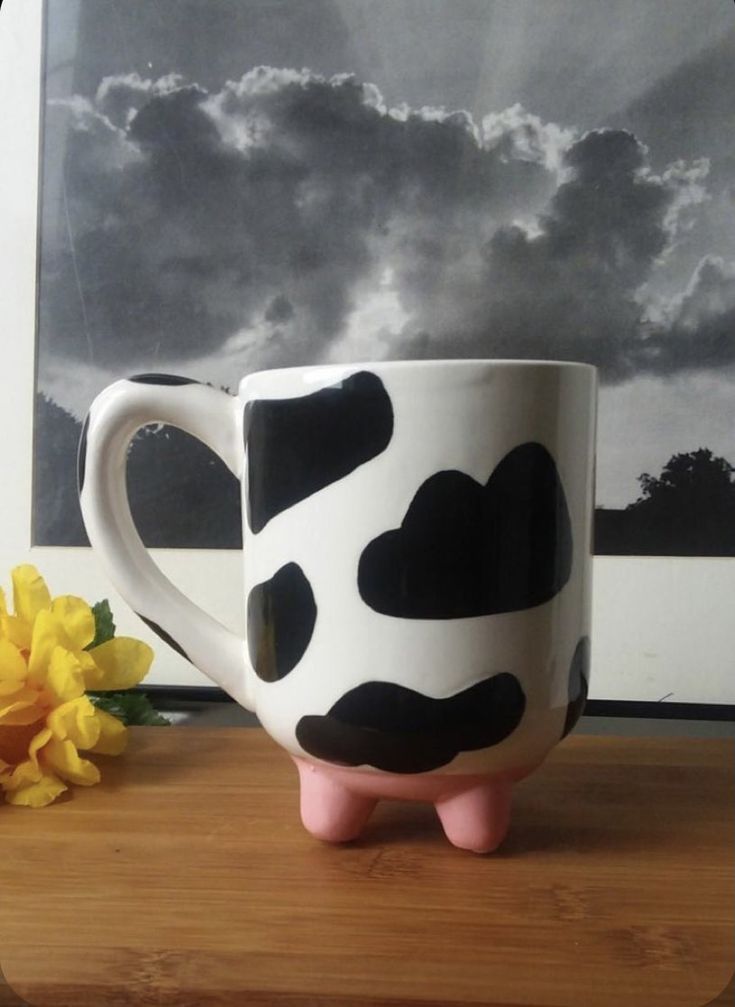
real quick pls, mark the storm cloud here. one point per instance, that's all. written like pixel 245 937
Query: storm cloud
pixel 291 218
pixel 697 328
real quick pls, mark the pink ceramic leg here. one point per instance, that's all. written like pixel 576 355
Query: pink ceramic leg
pixel 477 819
pixel 330 811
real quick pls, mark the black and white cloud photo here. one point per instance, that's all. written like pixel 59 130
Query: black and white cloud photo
pixel 231 185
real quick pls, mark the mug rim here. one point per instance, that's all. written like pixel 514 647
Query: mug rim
pixel 396 365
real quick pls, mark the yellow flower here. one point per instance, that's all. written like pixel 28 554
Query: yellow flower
pixel 46 718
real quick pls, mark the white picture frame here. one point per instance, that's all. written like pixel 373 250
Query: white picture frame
pixel 663 628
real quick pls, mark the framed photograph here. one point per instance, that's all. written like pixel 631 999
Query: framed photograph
pixel 212 187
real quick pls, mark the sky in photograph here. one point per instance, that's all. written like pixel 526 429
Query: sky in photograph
pixel 256 183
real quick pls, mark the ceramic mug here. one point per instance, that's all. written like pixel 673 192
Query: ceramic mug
pixel 417 542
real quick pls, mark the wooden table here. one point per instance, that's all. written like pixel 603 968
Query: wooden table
pixel 186 878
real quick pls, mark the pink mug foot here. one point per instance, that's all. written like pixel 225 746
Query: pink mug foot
pixel 477 819
pixel 330 811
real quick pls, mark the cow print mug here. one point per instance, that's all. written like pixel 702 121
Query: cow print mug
pixel 417 543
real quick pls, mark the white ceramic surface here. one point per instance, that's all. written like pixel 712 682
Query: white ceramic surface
pixel 446 416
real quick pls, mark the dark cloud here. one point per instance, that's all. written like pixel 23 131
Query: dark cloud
pixel 192 215
pixel 569 287
pixel 697 330
pixel 710 295
pixel 259 220
pixel 279 310
pixel 687 112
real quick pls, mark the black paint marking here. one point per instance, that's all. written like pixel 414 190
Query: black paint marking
pixel 393 728
pixel 162 379
pixel 469 550
pixel 82 455
pixel 579 676
pixel 166 637
pixel 295 447
pixel 281 619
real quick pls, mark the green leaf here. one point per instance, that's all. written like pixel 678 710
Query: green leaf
pixel 132 707
pixel 104 627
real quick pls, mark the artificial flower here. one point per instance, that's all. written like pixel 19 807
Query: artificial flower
pixel 49 657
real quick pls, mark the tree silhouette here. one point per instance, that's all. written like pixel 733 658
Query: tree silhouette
pixel 693 481
pixel 688 510
pixel 181 494
pixel 57 519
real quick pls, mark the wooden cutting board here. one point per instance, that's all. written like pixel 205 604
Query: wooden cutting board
pixel 185 878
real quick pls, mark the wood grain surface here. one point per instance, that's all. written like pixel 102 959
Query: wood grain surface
pixel 185 878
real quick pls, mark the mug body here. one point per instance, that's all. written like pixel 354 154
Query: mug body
pixel 417 549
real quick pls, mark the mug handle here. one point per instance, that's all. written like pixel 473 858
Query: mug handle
pixel 118 412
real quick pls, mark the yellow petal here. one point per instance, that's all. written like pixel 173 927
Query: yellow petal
pixel 16 630
pixel 76 721
pixel 75 622
pixel 113 734
pixel 3 604
pixel 65 678
pixel 30 594
pixel 24 773
pixel 43 641
pixel 13 669
pixel 87 662
pixel 120 663
pixel 63 757
pixel 28 771
pixel 36 794
pixel 43 736
pixel 20 708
